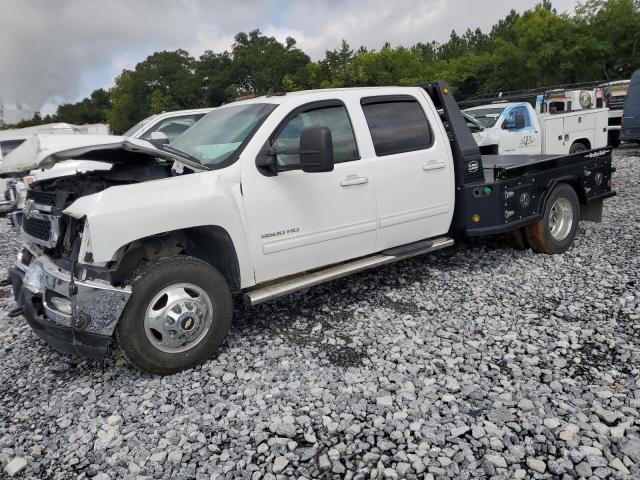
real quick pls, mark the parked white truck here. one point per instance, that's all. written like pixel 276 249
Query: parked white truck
pixel 515 129
pixel 264 197
pixel 162 127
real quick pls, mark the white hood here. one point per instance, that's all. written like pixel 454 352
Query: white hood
pixel 44 151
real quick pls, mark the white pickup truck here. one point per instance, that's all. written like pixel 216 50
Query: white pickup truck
pixel 515 129
pixel 264 197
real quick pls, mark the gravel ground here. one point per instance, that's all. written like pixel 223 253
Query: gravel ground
pixel 475 362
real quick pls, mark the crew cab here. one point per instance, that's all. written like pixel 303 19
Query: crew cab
pixel 515 129
pixel 264 197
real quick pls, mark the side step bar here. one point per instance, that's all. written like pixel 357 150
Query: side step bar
pixel 284 287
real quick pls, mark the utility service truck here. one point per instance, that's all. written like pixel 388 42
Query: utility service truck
pixel 515 129
pixel 264 197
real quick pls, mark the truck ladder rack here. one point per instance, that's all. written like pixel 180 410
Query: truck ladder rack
pixel 289 285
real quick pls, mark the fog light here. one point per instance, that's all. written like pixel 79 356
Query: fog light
pixel 62 304
pixel 475 218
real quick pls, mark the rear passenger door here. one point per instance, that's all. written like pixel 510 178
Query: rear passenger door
pixel 412 168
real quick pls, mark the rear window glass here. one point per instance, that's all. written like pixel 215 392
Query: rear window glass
pixel 397 126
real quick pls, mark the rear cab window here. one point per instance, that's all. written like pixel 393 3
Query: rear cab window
pixel 397 124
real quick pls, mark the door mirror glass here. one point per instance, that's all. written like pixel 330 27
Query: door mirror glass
pixel 316 150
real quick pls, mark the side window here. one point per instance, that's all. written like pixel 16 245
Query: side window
pixel 510 118
pixel 333 117
pixel 173 127
pixel 397 125
pixel 7 146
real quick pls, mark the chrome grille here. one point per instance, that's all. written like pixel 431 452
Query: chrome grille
pixel 40 225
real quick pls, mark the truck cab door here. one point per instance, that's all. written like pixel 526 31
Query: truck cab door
pixel 520 132
pixel 301 221
pixel 413 168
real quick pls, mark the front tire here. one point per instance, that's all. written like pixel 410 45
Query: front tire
pixel 557 229
pixel 178 315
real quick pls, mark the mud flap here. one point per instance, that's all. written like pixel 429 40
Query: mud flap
pixel 591 212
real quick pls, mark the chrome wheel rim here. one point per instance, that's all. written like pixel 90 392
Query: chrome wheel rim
pixel 178 318
pixel 560 219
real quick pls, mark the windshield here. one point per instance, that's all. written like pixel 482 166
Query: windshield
pixel 222 132
pixel 487 117
pixel 137 126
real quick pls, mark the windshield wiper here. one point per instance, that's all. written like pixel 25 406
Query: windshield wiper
pixel 184 155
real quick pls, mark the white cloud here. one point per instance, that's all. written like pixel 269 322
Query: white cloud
pixel 59 51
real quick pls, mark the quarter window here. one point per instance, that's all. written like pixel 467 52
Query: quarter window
pixel 335 118
pixel 397 125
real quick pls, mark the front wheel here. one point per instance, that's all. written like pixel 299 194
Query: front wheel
pixel 557 229
pixel 178 315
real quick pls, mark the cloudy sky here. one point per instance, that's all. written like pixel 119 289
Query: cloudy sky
pixel 59 51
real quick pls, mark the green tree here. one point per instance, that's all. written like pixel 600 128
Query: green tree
pixel 262 62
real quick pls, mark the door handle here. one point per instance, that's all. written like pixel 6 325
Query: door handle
pixel 353 180
pixel 433 166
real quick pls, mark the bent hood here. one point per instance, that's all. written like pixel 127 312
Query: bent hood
pixel 44 151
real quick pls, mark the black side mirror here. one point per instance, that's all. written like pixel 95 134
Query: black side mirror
pixel 519 121
pixel 316 150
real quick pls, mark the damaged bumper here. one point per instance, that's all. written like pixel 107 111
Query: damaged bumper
pixel 78 316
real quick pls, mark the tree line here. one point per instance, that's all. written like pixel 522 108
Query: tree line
pixel 600 40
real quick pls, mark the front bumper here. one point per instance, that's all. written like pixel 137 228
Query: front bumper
pixel 95 306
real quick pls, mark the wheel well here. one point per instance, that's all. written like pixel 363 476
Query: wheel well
pixel 578 188
pixel 209 243
pixel 583 141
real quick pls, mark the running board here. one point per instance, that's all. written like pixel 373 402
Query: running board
pixel 290 285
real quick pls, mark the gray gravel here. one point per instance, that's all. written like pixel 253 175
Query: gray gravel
pixel 476 362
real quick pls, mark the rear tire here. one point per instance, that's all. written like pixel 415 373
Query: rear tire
pixel 177 316
pixel 557 229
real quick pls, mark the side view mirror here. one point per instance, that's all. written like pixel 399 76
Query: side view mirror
pixel 158 139
pixel 316 150
pixel 520 123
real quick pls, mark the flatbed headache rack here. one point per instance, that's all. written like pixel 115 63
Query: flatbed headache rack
pixel 497 194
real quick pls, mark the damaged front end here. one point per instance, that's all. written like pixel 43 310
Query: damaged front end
pixel 70 302
pixel 70 311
